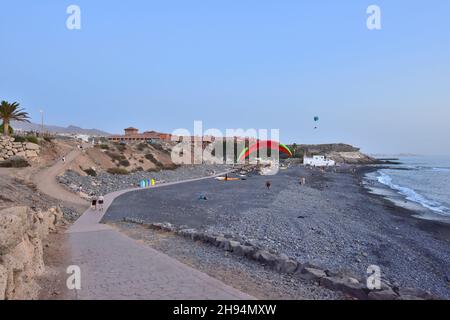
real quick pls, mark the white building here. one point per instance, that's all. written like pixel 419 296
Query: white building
pixel 318 161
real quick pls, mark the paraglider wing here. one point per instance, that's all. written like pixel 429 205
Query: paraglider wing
pixel 273 145
pixel 242 155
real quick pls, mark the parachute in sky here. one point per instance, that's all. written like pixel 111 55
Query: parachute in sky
pixel 272 145
pixel 316 119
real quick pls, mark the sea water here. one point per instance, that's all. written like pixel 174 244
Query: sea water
pixel 423 181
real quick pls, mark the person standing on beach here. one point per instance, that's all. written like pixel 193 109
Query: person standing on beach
pixel 268 184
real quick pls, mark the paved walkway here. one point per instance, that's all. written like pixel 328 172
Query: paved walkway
pixel 114 266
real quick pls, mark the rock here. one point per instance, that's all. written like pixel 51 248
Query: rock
pixel 3 282
pixel 310 274
pixel 218 240
pixel 31 146
pixel 290 266
pixel 234 245
pixel 386 294
pixel 21 250
pixel 285 265
pixel 208 238
pixel 168 227
pixel 31 154
pixel 265 257
pixel 346 285
pixel 418 293
pixel 225 244
pixel 189 233
pixel 13 222
pixel 245 251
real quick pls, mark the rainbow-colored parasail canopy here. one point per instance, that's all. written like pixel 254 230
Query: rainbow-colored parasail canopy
pixel 268 144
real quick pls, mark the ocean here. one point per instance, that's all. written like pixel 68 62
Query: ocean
pixel 419 183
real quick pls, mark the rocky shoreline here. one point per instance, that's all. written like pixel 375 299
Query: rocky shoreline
pixel 349 285
pixel 332 222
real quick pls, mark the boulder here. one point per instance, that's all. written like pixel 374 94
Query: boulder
pixel 234 245
pixel 31 146
pixel 347 285
pixel 265 257
pixel 225 244
pixel 310 274
pixel 188 233
pixel 418 293
pixel 31 154
pixel 386 294
pixel 218 240
pixel 21 250
pixel 244 251
pixel 285 264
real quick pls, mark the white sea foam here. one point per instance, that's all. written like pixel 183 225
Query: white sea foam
pixel 412 195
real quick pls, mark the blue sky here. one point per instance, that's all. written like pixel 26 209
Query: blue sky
pixel 237 64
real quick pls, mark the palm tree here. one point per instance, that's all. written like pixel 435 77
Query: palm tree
pixel 9 112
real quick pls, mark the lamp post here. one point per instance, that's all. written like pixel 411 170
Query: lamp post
pixel 42 121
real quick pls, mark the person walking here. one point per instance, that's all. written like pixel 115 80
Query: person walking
pixel 268 184
pixel 94 202
pixel 100 202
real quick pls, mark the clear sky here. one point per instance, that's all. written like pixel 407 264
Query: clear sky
pixel 237 64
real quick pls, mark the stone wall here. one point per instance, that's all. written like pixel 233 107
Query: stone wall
pixel 350 285
pixel 9 148
pixel 21 251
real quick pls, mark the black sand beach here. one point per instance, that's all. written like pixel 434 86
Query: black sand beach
pixel 332 221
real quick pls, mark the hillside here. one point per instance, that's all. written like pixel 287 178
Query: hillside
pixel 57 129
pixel 339 152
pixel 122 159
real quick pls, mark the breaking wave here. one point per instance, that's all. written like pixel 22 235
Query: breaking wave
pixel 412 195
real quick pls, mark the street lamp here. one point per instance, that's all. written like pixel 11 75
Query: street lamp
pixel 42 121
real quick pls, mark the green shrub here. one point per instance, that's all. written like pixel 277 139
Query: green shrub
pixel 155 161
pixel 118 171
pixel 116 156
pixel 121 147
pixel 142 146
pixel 102 146
pixel 160 148
pixel 32 139
pixel 19 139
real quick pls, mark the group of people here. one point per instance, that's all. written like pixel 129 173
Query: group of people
pixel 97 202
pixel 302 181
